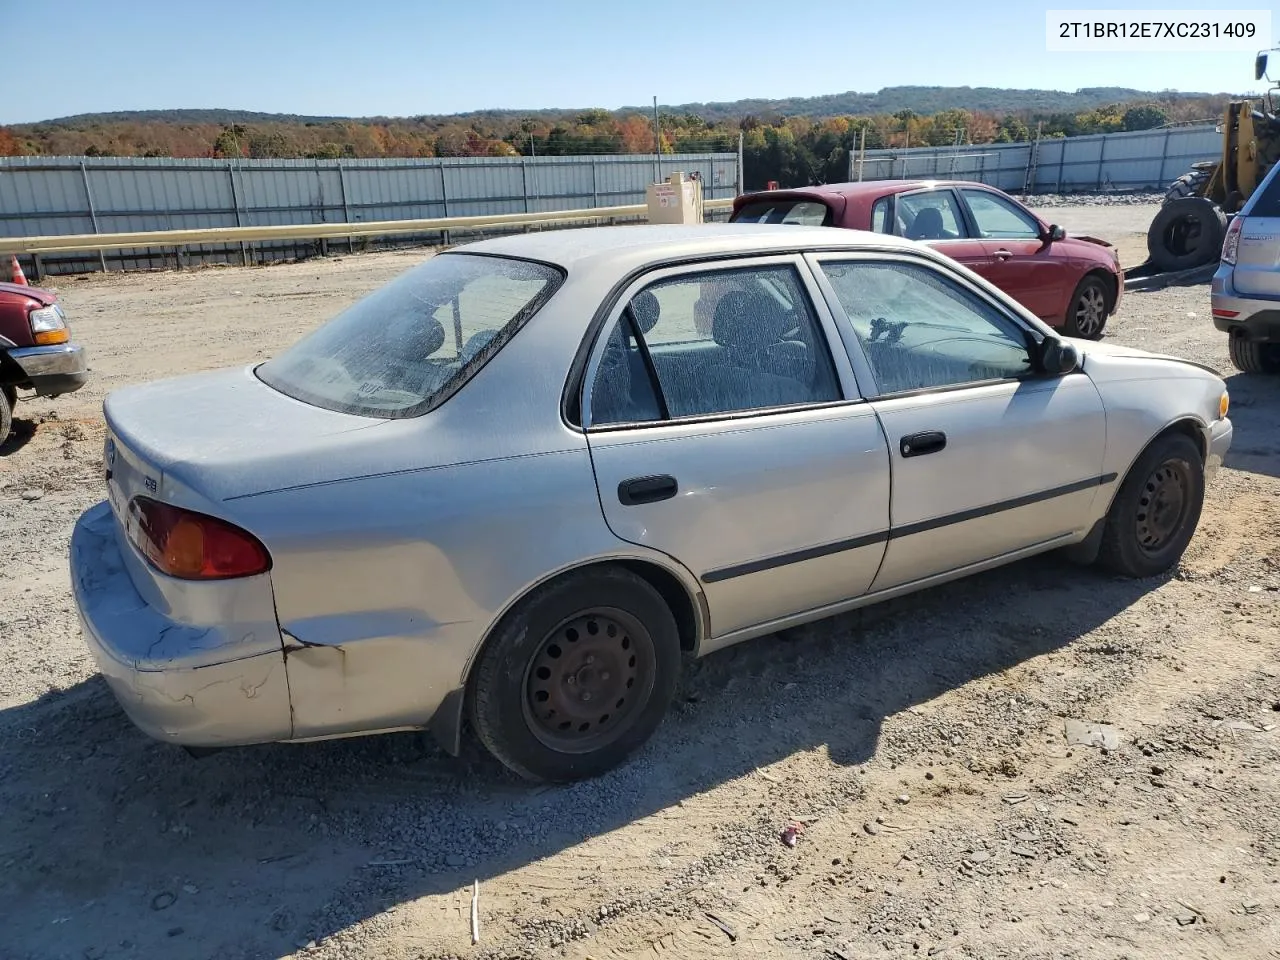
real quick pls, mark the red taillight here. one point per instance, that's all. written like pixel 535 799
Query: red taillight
pixel 1231 243
pixel 193 546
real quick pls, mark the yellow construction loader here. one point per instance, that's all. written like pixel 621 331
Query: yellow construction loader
pixel 1189 229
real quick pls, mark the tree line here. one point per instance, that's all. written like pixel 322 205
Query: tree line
pixel 792 150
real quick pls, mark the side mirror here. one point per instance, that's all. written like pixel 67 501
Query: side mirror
pixel 1260 67
pixel 1055 233
pixel 1058 357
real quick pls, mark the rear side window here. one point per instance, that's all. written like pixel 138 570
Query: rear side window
pixel 412 343
pixel 880 216
pixel 805 213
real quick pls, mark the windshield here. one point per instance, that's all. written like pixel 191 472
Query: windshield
pixel 409 345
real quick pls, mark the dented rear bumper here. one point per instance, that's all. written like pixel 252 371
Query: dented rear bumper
pixel 191 684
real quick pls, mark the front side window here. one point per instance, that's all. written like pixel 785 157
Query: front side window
pixel 408 345
pixel 998 219
pixel 920 330
pixel 721 341
pixel 806 213
pixel 930 215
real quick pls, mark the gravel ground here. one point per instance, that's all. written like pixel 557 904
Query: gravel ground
pixel 921 745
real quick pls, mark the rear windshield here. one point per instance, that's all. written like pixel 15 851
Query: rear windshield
pixel 1266 202
pixel 409 345
pixel 805 213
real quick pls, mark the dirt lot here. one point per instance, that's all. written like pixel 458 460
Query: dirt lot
pixel 921 746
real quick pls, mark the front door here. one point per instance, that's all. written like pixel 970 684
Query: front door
pixel 988 457
pixel 1019 260
pixel 743 452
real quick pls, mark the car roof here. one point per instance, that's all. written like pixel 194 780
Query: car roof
pixel 863 188
pixel 576 245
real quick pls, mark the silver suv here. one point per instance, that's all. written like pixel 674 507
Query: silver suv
pixel 1245 294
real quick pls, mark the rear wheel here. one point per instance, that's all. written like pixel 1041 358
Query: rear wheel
pixel 1088 309
pixel 1250 356
pixel 1157 509
pixel 577 677
pixel 1187 185
pixel 8 399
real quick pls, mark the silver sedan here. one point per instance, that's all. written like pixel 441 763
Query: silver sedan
pixel 514 488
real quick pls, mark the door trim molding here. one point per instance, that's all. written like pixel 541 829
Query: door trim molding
pixel 906 530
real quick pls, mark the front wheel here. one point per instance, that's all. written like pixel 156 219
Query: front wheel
pixel 1087 311
pixel 8 398
pixel 1157 509
pixel 577 677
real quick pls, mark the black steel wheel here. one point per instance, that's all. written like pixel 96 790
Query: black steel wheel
pixel 589 679
pixel 1088 310
pixel 577 676
pixel 1156 511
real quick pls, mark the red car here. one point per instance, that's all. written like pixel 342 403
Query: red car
pixel 36 352
pixel 1071 283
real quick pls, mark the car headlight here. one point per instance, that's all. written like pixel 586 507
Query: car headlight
pixel 49 325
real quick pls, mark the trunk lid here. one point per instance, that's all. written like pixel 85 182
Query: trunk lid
pixel 1257 269
pixel 225 434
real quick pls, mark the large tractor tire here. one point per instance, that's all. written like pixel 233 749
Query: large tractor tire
pixel 1186 233
pixel 1187 185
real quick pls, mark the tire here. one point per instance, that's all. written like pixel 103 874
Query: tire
pixel 1186 232
pixel 603 633
pixel 1141 539
pixel 1087 309
pixel 1187 185
pixel 1250 356
pixel 8 398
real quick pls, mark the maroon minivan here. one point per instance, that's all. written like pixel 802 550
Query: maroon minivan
pixel 1072 283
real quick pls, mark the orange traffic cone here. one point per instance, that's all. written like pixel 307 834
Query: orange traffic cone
pixel 15 272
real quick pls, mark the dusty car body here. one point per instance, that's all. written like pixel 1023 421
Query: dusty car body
pixel 1072 283
pixel 516 485
pixel 36 351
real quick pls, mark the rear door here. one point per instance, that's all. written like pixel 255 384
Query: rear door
pixel 1257 269
pixel 745 453
pixel 1020 261
pixel 935 216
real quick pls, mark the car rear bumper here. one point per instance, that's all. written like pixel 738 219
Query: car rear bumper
pixel 51 370
pixel 169 676
pixel 1255 318
pixel 1220 436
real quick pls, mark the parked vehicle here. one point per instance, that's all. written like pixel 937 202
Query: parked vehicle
pixel 1245 291
pixel 1072 283
pixel 515 485
pixel 36 352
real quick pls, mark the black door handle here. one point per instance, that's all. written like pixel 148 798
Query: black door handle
pixel 918 444
pixel 646 490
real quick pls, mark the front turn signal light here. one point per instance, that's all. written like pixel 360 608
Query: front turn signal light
pixel 1224 404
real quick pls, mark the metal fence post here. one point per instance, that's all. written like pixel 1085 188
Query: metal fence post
pixel 524 182
pixel 740 185
pixel 346 207
pixel 93 214
pixel 1164 156
pixel 235 203
pixel 444 198
pixel 1102 153
pixel 595 185
pixel 324 216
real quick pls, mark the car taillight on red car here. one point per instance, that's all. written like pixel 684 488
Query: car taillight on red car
pixel 193 546
pixel 1231 243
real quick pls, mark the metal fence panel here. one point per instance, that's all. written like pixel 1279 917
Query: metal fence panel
pixel 43 196
pixel 1146 159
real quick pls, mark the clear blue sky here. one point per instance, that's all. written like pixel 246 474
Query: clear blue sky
pixel 407 57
